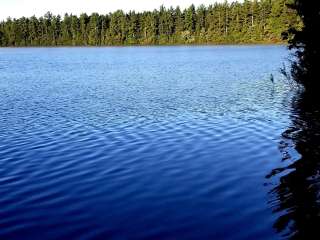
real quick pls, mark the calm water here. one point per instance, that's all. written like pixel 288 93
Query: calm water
pixel 142 143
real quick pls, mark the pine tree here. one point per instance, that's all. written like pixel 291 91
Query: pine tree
pixel 250 21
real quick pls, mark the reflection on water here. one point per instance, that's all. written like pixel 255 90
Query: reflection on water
pixel 297 195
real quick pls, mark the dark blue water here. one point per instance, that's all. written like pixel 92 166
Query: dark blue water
pixel 140 143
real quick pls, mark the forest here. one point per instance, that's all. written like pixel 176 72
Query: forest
pixel 250 21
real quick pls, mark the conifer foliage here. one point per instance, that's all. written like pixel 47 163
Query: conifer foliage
pixel 251 21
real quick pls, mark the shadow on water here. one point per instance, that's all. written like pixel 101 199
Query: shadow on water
pixel 296 196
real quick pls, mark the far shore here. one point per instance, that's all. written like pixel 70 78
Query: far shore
pixel 155 45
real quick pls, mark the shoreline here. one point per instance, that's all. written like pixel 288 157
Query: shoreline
pixel 152 45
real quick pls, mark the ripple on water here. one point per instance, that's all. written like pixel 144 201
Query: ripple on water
pixel 178 147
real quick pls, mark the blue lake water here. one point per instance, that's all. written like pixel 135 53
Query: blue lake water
pixel 140 142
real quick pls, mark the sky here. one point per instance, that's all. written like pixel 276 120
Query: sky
pixel 27 8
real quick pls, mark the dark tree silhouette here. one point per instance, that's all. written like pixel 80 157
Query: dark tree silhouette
pixel 306 41
pixel 296 198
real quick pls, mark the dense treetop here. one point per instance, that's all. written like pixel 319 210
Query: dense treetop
pixel 257 21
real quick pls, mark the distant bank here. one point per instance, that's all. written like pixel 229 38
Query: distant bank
pixel 249 22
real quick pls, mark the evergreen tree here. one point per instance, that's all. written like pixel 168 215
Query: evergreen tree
pixel 94 30
pixel 84 19
pixel 250 21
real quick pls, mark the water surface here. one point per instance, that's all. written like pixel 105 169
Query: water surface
pixel 140 142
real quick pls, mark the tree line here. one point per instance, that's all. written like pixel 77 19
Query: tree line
pixel 251 21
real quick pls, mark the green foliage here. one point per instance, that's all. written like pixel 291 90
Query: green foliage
pixel 255 21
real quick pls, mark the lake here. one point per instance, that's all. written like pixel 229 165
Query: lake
pixel 141 142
